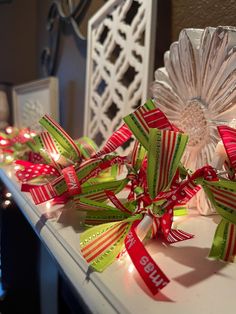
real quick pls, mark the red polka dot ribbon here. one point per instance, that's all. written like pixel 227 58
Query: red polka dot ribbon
pixel 32 171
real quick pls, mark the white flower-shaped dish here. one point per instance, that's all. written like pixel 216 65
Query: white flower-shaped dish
pixel 197 90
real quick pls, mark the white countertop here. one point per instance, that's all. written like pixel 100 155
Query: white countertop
pixel 198 285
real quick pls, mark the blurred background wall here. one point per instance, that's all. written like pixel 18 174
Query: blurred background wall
pixel 23 36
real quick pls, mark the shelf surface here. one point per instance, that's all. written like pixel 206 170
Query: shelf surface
pixel 198 284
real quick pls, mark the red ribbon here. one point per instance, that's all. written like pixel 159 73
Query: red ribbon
pixel 152 275
pixel 72 181
pixel 112 197
pixel 32 171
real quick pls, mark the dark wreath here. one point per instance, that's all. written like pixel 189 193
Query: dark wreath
pixel 61 11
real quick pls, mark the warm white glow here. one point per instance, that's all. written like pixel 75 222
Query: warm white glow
pixel 48 205
pixel 9 130
pixel 27 135
pixel 3 142
pixel 7 202
pixel 17 167
pixel 175 218
pixel 9 173
pixel 55 156
pixel 131 268
pixel 33 134
pixel 9 158
pixel 8 194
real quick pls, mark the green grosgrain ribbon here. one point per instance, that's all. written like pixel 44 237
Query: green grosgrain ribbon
pixel 138 125
pixel 164 152
pixel 65 144
pixel 90 172
pixel 222 195
pixel 138 155
pixel 101 244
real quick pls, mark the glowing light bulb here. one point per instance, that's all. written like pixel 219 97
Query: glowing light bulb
pixel 131 268
pixel 60 159
pixel 17 167
pixel 176 218
pixel 27 135
pixel 3 142
pixel 33 134
pixel 55 156
pixel 9 158
pixel 8 194
pixel 48 205
pixel 9 130
pixel 7 202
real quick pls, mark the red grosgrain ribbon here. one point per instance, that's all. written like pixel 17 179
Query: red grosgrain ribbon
pixel 62 199
pixel 156 119
pixel 72 181
pixel 152 275
pixel 85 171
pixel 103 166
pixel 35 158
pixel 25 187
pixel 228 136
pixel 144 118
pixel 115 201
pixel 118 138
pixel 32 171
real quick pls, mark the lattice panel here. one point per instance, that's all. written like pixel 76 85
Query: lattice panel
pixel 120 64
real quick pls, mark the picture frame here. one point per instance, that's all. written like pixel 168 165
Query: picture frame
pixel 33 100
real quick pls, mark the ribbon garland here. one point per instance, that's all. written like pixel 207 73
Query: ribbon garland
pixel 156 182
pixel 14 143
pixel 100 245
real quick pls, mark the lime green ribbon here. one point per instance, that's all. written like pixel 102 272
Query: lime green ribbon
pixel 222 195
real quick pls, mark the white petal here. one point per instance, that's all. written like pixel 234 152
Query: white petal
pixel 188 64
pixel 162 75
pixel 166 99
pixel 214 48
pixel 173 67
pixel 225 77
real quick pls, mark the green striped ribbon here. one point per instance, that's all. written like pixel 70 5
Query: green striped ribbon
pixel 86 146
pixel 98 212
pixel 97 191
pixel 64 142
pixel 138 125
pixel 138 155
pixel 222 195
pixel 100 245
pixel 164 153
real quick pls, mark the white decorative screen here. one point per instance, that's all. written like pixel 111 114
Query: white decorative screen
pixel 121 39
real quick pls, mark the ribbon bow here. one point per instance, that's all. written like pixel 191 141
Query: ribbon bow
pixel 154 165
pixel 222 194
pixel 76 166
